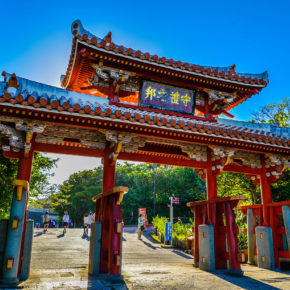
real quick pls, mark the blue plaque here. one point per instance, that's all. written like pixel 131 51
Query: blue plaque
pixel 168 232
pixel 164 97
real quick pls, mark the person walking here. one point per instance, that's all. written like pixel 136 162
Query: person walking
pixel 141 227
pixel 46 222
pixel 132 217
pixel 65 220
pixel 90 219
pixel 86 224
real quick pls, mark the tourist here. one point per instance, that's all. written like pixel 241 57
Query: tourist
pixel 90 220
pixel 46 222
pixel 86 224
pixel 141 227
pixel 65 220
pixel 132 217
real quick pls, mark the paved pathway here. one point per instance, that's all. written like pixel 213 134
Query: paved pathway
pixel 61 263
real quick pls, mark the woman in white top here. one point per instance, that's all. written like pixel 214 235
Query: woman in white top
pixel 86 224
pixel 90 219
pixel 65 220
pixel 141 226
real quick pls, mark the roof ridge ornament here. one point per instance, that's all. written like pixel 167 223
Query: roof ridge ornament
pixel 232 69
pixel 78 29
pixel 108 38
pixel 12 84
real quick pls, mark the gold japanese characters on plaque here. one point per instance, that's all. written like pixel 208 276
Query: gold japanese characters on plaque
pixel 165 97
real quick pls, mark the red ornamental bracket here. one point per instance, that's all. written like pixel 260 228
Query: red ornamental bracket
pixel 255 178
pixel 219 164
pixel 120 191
pixel 201 173
pixel 274 173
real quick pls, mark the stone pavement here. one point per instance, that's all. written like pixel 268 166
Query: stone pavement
pixel 61 262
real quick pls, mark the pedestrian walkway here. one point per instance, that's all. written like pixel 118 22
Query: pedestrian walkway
pixel 146 265
pixel 61 262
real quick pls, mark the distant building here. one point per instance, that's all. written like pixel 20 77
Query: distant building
pixel 37 215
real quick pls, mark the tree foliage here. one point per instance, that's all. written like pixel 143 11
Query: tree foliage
pixel 39 183
pixel 75 194
pixel 278 113
pixel 232 184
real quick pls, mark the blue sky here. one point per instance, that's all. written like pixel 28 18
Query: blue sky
pixel 255 35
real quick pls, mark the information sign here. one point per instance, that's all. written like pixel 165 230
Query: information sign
pixel 164 97
pixel 175 200
pixel 142 211
pixel 168 232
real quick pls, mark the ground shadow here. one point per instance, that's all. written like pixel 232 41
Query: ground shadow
pixel 149 245
pixel 86 237
pixel 60 236
pixel 38 234
pixel 245 282
pixel 147 235
pixel 277 279
pixel 96 283
pixel 182 255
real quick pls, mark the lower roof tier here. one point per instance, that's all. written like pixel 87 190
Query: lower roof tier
pixel 19 95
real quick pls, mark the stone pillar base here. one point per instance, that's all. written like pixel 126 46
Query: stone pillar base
pixel 265 256
pixel 235 273
pixel 286 219
pixel 206 248
pixel 95 248
pixel 110 277
pixel 27 248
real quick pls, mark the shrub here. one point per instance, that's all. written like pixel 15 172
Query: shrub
pixel 179 231
pixel 159 223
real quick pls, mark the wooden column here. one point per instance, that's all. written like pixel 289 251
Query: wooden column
pixel 17 222
pixel 232 242
pixel 265 193
pixel 110 215
pixel 211 186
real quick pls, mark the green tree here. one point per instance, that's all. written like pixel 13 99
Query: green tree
pixel 230 184
pixel 75 194
pixel 278 113
pixel 233 184
pixel 8 171
pixel 39 183
pixel 281 189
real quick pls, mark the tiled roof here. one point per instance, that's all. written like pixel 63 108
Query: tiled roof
pixel 222 73
pixel 31 94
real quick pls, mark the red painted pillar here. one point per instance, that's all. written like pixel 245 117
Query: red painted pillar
pixel 110 215
pixel 233 248
pixel 24 173
pixel 211 186
pixel 211 183
pixel 265 193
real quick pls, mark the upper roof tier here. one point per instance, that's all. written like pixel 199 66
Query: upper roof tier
pixel 88 49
